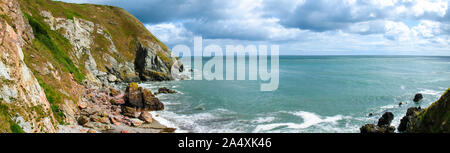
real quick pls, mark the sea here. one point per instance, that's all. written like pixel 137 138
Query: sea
pixel 316 94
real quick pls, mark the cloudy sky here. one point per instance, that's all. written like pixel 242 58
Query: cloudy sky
pixel 300 27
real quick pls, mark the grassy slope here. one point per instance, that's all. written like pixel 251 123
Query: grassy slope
pixel 50 46
pixel 435 118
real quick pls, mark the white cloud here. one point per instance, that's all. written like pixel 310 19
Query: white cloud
pixel 374 26
pixel 170 32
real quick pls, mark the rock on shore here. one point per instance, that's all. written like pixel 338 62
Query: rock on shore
pixel 383 125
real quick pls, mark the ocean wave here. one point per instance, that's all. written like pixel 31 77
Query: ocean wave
pixel 309 119
pixel 260 120
pixel 430 92
pixel 207 122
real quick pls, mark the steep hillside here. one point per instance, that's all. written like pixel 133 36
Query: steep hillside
pixel 54 52
pixel 434 119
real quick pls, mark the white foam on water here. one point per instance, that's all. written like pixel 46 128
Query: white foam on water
pixel 430 92
pixel 260 120
pixel 389 106
pixel 190 123
pixel 309 119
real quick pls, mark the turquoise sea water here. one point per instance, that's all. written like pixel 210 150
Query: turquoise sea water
pixel 315 94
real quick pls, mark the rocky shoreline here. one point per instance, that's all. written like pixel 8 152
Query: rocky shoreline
pixel 112 110
pixel 434 119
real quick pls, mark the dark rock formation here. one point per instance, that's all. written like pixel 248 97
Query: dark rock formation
pixel 405 122
pixel 141 99
pixel 165 91
pixel 383 125
pixel 372 128
pixel 386 119
pixel 434 119
pixel 150 66
pixel 418 97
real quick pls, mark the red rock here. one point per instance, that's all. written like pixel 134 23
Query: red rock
pixel 146 116
pixel 124 131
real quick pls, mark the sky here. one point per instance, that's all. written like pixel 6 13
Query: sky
pixel 300 27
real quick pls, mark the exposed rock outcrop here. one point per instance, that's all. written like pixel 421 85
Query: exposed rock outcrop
pixel 59 62
pixel 418 97
pixel 386 119
pixel 405 122
pixel 434 119
pixel 141 99
pixel 23 101
pixel 165 90
pixel 383 126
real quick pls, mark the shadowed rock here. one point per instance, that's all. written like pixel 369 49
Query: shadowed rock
pixel 418 97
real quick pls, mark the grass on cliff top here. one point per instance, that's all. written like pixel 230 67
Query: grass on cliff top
pixel 436 117
pixel 125 29
pixel 42 33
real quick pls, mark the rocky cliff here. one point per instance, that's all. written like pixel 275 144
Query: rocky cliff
pixel 54 53
pixel 434 119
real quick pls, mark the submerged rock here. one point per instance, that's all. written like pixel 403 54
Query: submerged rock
pixel 418 97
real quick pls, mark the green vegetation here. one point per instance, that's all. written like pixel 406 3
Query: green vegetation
pixel 164 58
pixel 15 128
pixel 41 33
pixel 54 98
pixel 9 21
pixel 7 124
pixel 435 118
pixel 71 14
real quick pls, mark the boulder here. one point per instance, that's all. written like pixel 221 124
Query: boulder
pixel 114 92
pixel 405 122
pixel 136 122
pixel 100 119
pixel 133 96
pixel 82 105
pixel 383 125
pixel 115 101
pixel 83 120
pixel 112 78
pixel 130 112
pixel 146 116
pixel 386 119
pixel 165 90
pixel 418 97
pixel 151 103
pixel 91 131
pixel 372 128
pixel 142 99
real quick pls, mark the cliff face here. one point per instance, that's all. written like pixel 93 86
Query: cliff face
pixel 53 52
pixel 24 107
pixel 434 119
